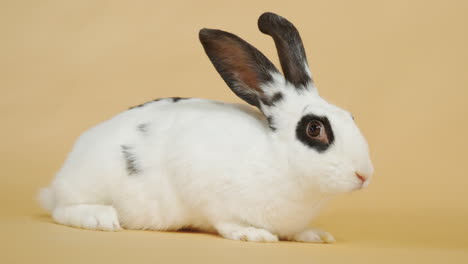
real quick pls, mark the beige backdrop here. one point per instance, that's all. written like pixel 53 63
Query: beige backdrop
pixel 400 66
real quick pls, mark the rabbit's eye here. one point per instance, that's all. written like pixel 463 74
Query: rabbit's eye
pixel 315 132
pixel 314 129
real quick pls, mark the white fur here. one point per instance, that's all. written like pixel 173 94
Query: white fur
pixel 210 166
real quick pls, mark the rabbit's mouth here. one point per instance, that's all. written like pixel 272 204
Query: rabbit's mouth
pixel 365 184
pixel 362 185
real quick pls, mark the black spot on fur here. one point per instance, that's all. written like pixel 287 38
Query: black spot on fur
pixel 137 106
pixel 289 46
pixel 143 127
pixel 270 123
pixel 277 97
pixel 143 104
pixel 318 145
pixel 173 99
pixel 130 160
pixel 176 99
pixel 272 100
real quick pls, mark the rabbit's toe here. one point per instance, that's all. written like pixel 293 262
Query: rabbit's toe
pixel 242 233
pixel 313 236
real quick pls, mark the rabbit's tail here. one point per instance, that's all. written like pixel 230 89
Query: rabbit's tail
pixel 46 199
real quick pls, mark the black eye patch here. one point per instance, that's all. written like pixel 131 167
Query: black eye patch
pixel 301 132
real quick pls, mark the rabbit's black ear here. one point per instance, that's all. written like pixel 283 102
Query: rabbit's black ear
pixel 289 46
pixel 242 66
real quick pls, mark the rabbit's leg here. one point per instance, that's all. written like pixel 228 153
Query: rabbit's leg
pixel 312 235
pixel 88 216
pixel 245 233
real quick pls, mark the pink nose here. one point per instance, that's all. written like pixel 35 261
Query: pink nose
pixel 360 177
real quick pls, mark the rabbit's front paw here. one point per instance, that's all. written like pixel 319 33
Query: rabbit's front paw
pixel 252 234
pixel 313 236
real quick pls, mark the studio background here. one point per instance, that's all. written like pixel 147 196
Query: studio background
pixel 401 68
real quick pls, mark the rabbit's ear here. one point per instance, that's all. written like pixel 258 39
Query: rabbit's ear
pixel 290 48
pixel 242 66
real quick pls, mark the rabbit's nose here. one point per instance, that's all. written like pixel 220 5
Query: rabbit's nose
pixel 361 177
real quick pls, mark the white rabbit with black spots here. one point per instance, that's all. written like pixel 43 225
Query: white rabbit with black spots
pixel 247 174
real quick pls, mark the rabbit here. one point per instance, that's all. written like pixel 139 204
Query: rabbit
pixel 258 173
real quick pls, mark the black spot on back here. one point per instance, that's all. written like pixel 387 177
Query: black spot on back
pixel 130 160
pixel 137 106
pixel 176 99
pixel 143 127
pixel 173 99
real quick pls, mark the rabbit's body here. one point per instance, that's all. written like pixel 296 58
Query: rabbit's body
pixel 156 179
pixel 192 163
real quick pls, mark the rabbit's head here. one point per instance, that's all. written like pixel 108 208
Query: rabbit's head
pixel 324 146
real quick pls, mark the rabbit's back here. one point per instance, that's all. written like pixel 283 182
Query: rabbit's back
pixel 164 151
